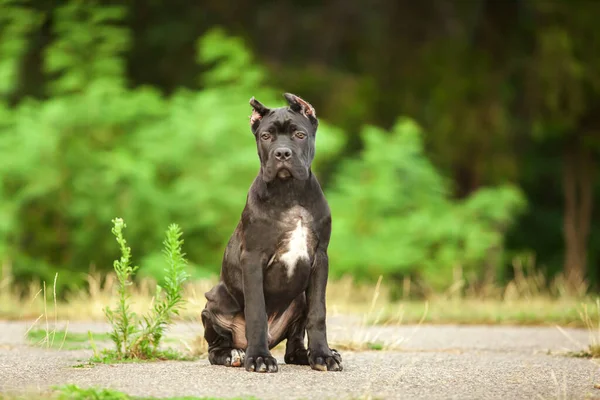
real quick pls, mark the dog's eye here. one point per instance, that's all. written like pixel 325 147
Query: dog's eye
pixel 300 135
pixel 265 136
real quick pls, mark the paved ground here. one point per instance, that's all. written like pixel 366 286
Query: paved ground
pixel 431 362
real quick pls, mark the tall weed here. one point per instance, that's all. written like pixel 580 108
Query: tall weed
pixel 139 338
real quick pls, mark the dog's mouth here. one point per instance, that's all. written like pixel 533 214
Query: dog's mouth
pixel 284 173
pixel 284 169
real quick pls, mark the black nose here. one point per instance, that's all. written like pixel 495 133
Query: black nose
pixel 283 154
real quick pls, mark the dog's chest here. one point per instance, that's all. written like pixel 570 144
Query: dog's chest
pixel 297 240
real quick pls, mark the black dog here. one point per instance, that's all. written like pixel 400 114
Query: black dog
pixel 275 266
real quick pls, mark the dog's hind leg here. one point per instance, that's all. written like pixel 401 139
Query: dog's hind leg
pixel 222 326
pixel 221 350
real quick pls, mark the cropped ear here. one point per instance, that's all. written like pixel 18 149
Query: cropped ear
pixel 302 106
pixel 258 111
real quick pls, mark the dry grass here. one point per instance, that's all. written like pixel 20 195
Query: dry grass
pixel 527 300
pixel 29 304
pixel 592 323
pixel 362 337
pixel 590 317
pixel 45 337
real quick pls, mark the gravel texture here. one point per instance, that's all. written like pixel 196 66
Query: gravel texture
pixel 429 362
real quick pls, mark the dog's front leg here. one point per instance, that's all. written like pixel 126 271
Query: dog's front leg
pixel 320 356
pixel 258 356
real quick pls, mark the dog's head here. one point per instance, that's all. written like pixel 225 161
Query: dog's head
pixel 285 138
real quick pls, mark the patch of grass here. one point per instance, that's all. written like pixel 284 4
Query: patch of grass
pixel 363 338
pixel 64 339
pixel 538 311
pixel 580 354
pixel 362 346
pixel 529 299
pixel 48 336
pixel 88 364
pixel 73 392
pixel 375 346
pixel 110 357
pixel 590 317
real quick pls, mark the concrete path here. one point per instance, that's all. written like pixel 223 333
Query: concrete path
pixel 427 362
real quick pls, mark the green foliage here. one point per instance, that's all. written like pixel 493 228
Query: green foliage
pixel 238 67
pixel 135 339
pixel 406 223
pixel 73 161
pixel 16 24
pixel 88 47
pixel 95 147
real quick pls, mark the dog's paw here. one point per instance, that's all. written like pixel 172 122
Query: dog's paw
pixel 325 360
pixel 236 359
pixel 227 356
pixel 260 362
pixel 298 357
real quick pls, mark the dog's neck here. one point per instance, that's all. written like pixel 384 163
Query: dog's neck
pixel 288 191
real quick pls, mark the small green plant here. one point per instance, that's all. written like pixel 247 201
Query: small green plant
pixel 136 338
pixel 121 318
pixel 169 298
pixel 87 364
pixel 93 345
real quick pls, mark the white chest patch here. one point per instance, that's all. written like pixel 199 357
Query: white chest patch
pixel 297 248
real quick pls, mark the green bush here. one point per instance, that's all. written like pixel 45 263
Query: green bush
pixel 95 147
pixel 393 214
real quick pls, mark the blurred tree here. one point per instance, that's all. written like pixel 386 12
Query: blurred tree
pixel 561 96
pixel 17 23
